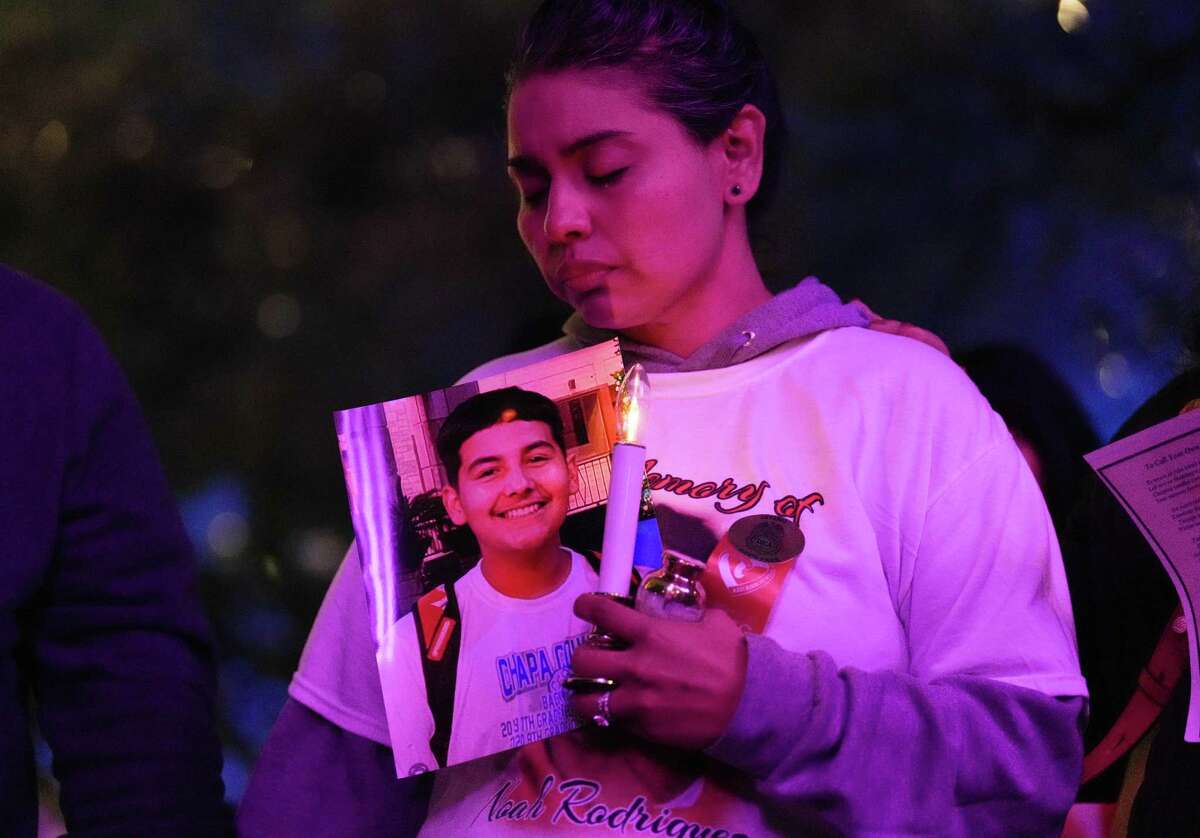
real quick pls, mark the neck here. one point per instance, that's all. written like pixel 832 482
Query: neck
pixel 526 575
pixel 734 288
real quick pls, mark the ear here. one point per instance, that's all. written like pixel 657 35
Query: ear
pixel 572 475
pixel 741 149
pixel 453 505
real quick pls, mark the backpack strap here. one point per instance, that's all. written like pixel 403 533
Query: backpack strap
pixel 440 639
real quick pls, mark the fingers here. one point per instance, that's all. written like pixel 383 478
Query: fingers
pixel 865 309
pixel 879 323
pixel 890 327
pixel 602 709
pixel 591 662
pixel 679 685
pixel 907 330
pixel 612 617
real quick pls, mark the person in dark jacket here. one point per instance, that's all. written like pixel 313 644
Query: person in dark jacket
pixel 99 619
pixel 1123 599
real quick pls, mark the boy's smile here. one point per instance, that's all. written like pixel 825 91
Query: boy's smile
pixel 524 510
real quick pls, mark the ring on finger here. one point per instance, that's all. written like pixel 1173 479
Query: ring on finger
pixel 583 684
pixel 603 717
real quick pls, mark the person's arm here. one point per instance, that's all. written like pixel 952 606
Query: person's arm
pixel 121 662
pixel 973 737
pixel 869 750
pixel 326 764
pixel 314 778
pixel 882 750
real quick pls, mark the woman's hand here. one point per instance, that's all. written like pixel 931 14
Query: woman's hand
pixel 899 327
pixel 677 684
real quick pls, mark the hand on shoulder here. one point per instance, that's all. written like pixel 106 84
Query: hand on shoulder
pixel 898 327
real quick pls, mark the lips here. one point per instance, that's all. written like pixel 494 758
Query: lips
pixel 580 276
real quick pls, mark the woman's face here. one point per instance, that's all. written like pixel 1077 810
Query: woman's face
pixel 621 209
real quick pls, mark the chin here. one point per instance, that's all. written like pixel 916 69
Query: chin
pixel 603 317
pixel 529 542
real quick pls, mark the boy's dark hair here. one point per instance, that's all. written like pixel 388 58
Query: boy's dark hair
pixel 697 62
pixel 487 409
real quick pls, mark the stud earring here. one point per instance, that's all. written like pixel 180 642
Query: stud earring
pixel 735 190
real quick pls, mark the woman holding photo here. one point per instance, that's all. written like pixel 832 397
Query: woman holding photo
pixel 918 671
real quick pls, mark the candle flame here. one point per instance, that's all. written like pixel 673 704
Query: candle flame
pixel 632 398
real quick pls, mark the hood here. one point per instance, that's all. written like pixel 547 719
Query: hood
pixel 803 310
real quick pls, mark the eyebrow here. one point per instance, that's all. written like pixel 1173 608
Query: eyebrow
pixel 524 163
pixel 487 459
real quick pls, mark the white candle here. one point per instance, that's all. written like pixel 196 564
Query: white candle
pixel 625 484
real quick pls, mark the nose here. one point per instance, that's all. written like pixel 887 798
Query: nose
pixel 516 482
pixel 567 216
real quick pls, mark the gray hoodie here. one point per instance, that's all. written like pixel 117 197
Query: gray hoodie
pixel 1007 757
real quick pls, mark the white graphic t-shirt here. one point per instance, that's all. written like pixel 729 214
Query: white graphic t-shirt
pixel 513 656
pixel 927 551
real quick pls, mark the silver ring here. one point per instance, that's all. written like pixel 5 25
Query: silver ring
pixel 602 717
pixel 580 684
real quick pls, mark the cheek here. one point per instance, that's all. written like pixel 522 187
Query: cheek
pixel 473 503
pixel 528 227
pixel 676 228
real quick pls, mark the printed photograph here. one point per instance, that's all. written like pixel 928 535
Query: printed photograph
pixel 478 513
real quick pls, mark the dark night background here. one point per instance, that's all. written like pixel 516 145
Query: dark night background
pixel 272 211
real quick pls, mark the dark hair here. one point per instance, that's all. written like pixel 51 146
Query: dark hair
pixel 1036 404
pixel 486 409
pixel 699 64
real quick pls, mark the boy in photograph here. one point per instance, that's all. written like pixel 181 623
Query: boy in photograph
pixel 478 666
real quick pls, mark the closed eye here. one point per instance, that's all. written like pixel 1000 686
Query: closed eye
pixel 609 178
pixel 531 181
pixel 533 199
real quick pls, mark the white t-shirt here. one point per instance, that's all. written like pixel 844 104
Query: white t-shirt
pixel 928 551
pixel 513 656
pixel 928 546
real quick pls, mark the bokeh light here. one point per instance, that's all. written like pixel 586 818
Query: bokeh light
pixel 51 143
pixel 1072 15
pixel 220 166
pixel 1113 373
pixel 279 316
pixel 227 535
pixel 319 551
